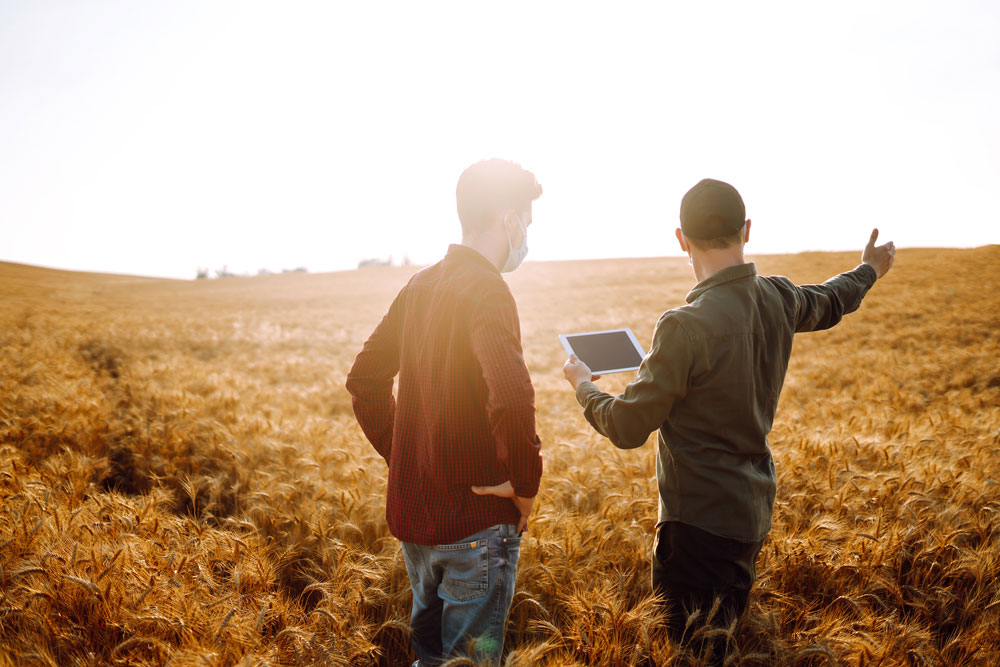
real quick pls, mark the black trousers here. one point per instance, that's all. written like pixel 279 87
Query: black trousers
pixel 691 568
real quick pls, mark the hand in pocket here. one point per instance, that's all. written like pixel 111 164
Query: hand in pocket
pixel 506 490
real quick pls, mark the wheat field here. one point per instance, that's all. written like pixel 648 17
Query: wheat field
pixel 182 481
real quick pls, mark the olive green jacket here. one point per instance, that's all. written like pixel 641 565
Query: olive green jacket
pixel 710 385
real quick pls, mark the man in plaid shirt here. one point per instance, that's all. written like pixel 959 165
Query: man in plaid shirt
pixel 463 427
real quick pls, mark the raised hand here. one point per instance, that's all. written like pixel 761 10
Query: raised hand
pixel 880 257
pixel 506 490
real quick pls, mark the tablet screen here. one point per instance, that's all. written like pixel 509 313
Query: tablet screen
pixel 605 351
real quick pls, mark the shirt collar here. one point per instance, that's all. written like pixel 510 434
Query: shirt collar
pixel 726 275
pixel 464 253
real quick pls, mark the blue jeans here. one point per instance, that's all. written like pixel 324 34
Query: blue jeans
pixel 462 591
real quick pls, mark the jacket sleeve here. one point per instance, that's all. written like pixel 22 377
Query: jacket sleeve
pixel 628 419
pixel 820 307
pixel 371 378
pixel 510 403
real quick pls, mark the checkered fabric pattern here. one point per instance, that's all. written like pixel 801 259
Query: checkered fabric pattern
pixel 465 413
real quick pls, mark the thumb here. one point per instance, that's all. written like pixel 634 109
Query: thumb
pixel 871 241
pixel 574 358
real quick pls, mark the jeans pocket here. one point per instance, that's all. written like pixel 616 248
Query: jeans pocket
pixel 466 573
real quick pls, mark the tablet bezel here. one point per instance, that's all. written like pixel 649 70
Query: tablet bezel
pixel 564 339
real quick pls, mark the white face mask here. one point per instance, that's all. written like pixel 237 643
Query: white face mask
pixel 516 256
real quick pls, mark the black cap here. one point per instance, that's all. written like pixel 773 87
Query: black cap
pixel 712 209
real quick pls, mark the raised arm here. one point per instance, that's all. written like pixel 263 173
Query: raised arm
pixel 371 377
pixel 822 306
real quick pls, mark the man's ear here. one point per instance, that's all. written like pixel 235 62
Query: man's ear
pixel 507 222
pixel 511 219
pixel 512 225
pixel 680 239
pixel 746 231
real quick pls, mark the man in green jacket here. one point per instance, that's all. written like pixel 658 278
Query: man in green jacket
pixel 710 386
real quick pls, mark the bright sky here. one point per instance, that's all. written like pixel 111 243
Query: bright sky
pixel 157 137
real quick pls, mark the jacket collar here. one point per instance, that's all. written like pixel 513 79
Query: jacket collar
pixel 726 275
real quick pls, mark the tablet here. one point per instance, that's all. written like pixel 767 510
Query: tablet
pixel 609 351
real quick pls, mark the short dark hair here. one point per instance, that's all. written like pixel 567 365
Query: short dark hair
pixel 719 242
pixel 490 188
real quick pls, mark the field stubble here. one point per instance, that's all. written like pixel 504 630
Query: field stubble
pixel 182 481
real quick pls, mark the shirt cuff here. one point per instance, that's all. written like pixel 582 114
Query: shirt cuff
pixel 873 276
pixel 526 491
pixel 585 390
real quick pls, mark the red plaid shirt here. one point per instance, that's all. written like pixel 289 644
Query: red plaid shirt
pixel 466 409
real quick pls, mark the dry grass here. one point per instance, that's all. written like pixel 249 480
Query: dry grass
pixel 182 481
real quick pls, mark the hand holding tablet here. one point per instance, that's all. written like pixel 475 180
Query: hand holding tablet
pixel 608 351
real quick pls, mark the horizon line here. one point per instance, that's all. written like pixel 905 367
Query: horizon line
pixel 417 266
